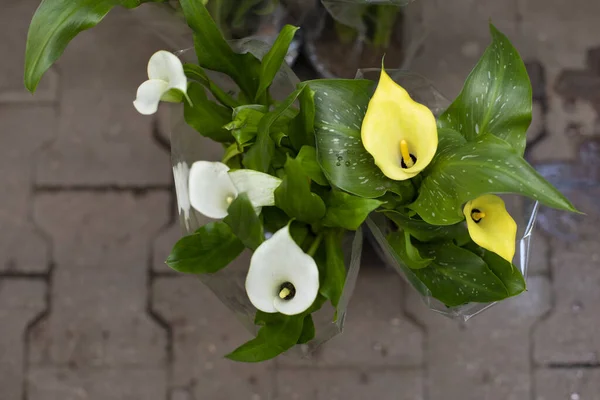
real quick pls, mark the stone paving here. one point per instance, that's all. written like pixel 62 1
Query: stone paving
pixel 89 311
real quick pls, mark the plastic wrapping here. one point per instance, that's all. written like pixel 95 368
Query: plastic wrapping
pixel 523 211
pixel 188 146
pixel 347 35
pixel 237 19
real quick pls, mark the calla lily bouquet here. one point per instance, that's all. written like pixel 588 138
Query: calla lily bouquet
pixel 297 175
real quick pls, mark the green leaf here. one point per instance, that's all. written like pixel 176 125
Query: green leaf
pixel 272 340
pixel 347 211
pixel 302 128
pixel 274 219
pixel 406 252
pixel 55 24
pixel 334 275
pixel 308 330
pixel 243 221
pixel 464 171
pixel 196 73
pixel 206 116
pixel 456 276
pixel 272 61
pixel 496 98
pixel 260 155
pixel 340 106
pixel 307 157
pixel 294 196
pixel 244 126
pixel 510 275
pixel 230 152
pixel 214 52
pixel 209 249
pixel 423 231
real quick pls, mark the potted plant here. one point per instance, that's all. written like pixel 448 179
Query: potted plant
pixel 300 174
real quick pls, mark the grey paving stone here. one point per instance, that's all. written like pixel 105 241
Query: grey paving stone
pixel 571 384
pixel 539 250
pixel 399 384
pixel 569 334
pixel 559 35
pixel 21 301
pixel 376 332
pixel 204 330
pixel 102 140
pixel 98 338
pixel 457 35
pixel 14 23
pixel 489 356
pixel 116 383
pixel 162 246
pixel 23 131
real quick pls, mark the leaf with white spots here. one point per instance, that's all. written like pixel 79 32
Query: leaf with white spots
pixel 340 106
pixel 496 97
pixel 456 276
pixel 463 171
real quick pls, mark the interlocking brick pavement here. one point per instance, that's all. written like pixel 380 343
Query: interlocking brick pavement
pixel 102 140
pixel 97 340
pixel 14 20
pixel 571 384
pixel 21 302
pixel 569 335
pixel 488 357
pixel 87 185
pixel 23 131
pixel 376 330
pixel 203 331
pixel 342 384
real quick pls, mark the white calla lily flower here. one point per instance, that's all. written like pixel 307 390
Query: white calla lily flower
pixel 165 73
pixel 282 278
pixel 212 188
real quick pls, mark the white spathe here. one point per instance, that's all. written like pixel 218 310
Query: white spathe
pixel 277 262
pixel 165 73
pixel 181 173
pixel 212 188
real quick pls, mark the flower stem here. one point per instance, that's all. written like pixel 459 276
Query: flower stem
pixel 315 245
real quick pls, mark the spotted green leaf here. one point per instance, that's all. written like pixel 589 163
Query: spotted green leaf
pixel 340 107
pixel 462 171
pixel 457 276
pixel 496 98
pixel 509 274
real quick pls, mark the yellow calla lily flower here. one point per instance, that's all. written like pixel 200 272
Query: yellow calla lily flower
pixel 491 226
pixel 398 132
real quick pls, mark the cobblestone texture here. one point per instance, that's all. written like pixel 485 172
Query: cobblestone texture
pixel 487 357
pixel 23 130
pixel 89 310
pixel 102 140
pixel 98 341
pixel 21 302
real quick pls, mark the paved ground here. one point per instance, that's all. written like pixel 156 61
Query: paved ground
pixel 87 311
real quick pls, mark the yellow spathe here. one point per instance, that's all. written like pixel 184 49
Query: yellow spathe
pixel 491 226
pixel 398 132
